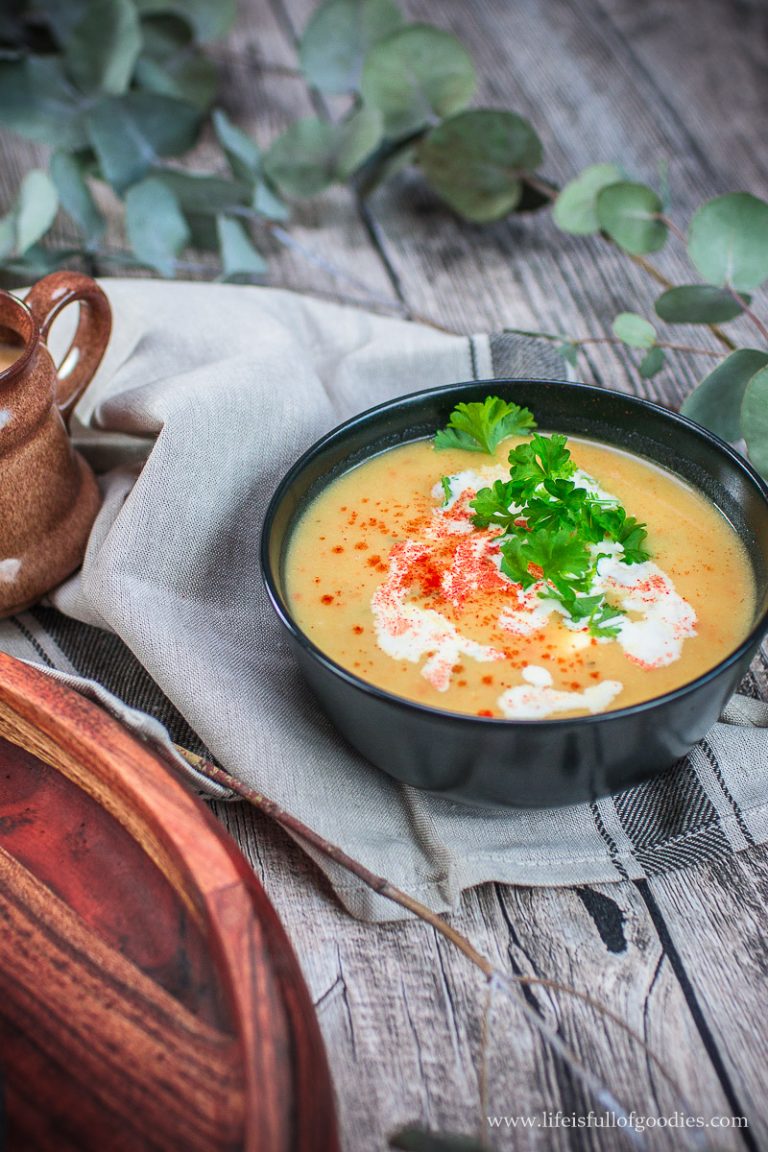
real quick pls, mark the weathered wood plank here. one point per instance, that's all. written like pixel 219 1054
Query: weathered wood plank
pixel 401 1011
pixel 711 71
pixel 717 927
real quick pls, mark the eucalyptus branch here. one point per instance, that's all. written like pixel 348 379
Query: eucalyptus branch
pixel 578 341
pixel 749 313
pixel 508 983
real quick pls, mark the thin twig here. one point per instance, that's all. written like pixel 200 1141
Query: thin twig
pixel 382 886
pixel 578 341
pixel 660 344
pixel 673 228
pixel 749 313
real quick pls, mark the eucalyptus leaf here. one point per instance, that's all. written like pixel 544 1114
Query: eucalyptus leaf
pixel 417 1140
pixel 300 162
pixel 243 154
pixel 164 35
pixel 337 38
pixel 188 76
pixel 358 137
pixel 39 101
pixel 754 420
pixel 238 255
pixel 629 214
pixel 156 227
pixel 36 262
pixel 416 75
pixel 728 241
pixel 634 330
pixel 203 233
pixel 101 51
pixel 698 304
pixel 716 403
pixel 575 209
pixel 68 172
pixel 128 133
pixel 569 353
pixel 36 208
pixel 652 362
pixel 475 161
pixel 312 153
pixel 61 17
pixel 202 194
pixel 208 20
pixel 267 203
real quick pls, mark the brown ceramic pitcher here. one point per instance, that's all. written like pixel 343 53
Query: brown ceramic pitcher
pixel 48 495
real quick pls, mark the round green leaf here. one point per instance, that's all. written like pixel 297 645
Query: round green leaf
pixel 629 214
pixel 728 241
pixel 716 403
pixel 75 195
pixel 475 161
pixel 39 102
pixel 238 255
pixel 189 76
pixel 300 161
pixel 101 51
pixel 202 194
pixel 575 209
pixel 415 75
pixel 156 227
pixel 358 137
pixel 651 363
pixel 36 208
pixel 312 154
pixel 698 304
pixel 267 203
pixel 754 420
pixel 338 37
pixel 208 21
pixel 128 133
pixel 634 330
pixel 241 151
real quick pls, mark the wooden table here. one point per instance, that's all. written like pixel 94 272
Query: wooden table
pixel 681 958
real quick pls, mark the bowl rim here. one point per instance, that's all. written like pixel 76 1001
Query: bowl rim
pixel 283 613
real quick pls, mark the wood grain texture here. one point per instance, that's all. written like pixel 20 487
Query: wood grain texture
pixel 84 1002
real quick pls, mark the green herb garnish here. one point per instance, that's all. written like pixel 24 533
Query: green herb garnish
pixel 481 427
pixel 447 493
pixel 551 525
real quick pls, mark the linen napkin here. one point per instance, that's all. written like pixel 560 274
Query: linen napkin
pixel 220 388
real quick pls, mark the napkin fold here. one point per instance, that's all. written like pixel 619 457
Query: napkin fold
pixel 206 396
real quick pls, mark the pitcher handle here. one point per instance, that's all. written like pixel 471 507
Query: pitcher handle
pixel 46 300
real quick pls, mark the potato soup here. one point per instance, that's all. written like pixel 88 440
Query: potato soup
pixel 390 574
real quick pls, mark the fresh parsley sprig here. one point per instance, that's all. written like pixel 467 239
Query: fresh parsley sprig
pixel 481 426
pixel 552 526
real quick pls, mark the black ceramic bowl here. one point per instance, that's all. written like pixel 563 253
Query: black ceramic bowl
pixel 525 763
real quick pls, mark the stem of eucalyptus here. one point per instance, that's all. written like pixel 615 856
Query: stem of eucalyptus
pixel 749 313
pixel 510 984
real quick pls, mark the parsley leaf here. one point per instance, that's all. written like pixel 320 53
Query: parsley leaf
pixel 551 527
pixel 605 620
pixel 481 427
pixel 557 556
pixel 494 506
pixel 445 481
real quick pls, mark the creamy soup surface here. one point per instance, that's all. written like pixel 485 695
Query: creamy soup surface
pixel 387 575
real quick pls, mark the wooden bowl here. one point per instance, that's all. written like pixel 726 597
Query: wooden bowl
pixel 149 997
